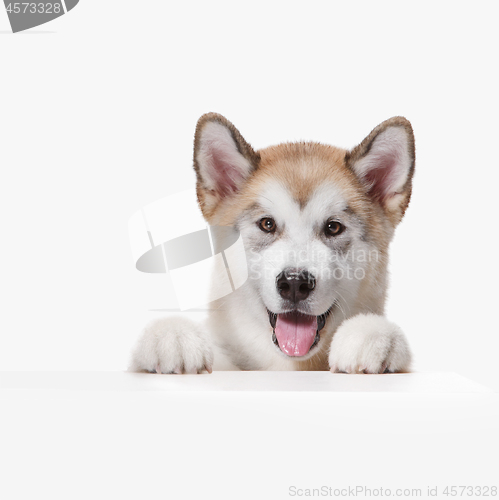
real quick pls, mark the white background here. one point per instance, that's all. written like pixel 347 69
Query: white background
pixel 97 115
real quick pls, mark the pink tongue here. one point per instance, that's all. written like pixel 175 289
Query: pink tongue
pixel 295 333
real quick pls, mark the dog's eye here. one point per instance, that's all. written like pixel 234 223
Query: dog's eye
pixel 267 224
pixel 334 228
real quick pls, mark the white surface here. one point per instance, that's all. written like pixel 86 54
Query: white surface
pixel 237 381
pixel 119 435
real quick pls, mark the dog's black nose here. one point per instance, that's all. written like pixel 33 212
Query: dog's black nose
pixel 295 284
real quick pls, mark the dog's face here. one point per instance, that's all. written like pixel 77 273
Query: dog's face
pixel 316 220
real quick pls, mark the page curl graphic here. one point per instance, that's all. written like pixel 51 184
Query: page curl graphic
pixel 26 15
pixel 204 262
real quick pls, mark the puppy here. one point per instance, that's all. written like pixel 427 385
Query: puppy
pixel 316 222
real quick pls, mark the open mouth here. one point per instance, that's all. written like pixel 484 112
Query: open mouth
pixel 296 333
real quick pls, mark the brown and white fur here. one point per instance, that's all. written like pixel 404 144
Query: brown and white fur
pixel 313 209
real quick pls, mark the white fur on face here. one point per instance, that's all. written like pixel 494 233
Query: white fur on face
pixel 299 242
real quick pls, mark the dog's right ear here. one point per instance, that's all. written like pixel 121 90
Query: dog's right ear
pixel 384 163
pixel 223 161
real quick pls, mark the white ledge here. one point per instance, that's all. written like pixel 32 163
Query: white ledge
pixel 419 383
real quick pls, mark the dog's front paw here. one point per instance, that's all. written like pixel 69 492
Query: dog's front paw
pixel 368 343
pixel 173 345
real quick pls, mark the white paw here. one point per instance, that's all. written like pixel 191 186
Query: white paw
pixel 173 345
pixel 368 343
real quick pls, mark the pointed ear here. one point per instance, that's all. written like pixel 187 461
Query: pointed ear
pixel 384 163
pixel 223 161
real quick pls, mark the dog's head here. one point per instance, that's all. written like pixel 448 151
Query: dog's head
pixel 316 220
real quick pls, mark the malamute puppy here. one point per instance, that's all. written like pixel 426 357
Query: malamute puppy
pixel 316 223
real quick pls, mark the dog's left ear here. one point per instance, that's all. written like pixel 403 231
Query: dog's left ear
pixel 384 163
pixel 223 161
